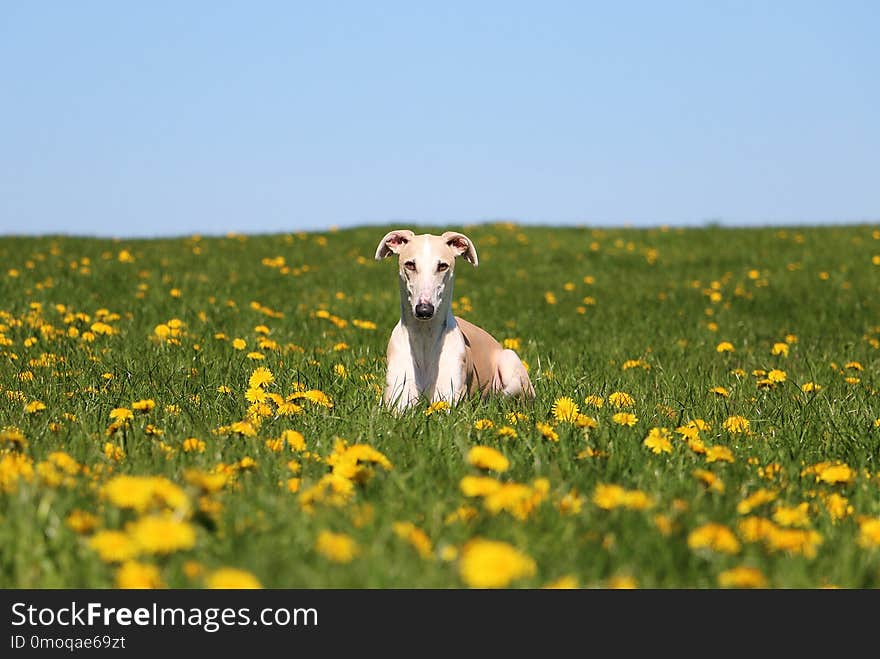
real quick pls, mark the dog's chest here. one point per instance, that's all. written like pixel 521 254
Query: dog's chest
pixel 438 363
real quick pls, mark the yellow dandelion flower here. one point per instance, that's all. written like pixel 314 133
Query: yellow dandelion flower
pixel 811 387
pixel 570 504
pixel 336 547
pixel 207 482
pixel 610 496
pixel 14 437
pixel 719 453
pixel 247 462
pixel 162 534
pixel 587 422
pixel 261 377
pixel 721 391
pixel 595 401
pixel 566 582
pixel 798 515
pixel 622 582
pixel 483 424
pixel 81 521
pixel 754 500
pixel 437 406
pixel 715 537
pixel 289 409
pixel 239 344
pixel 507 432
pixel 318 397
pixel 486 457
pixel 256 395
pixel 511 343
pixel 344 455
pixel 776 375
pixel 710 480
pixel 478 486
pixel 620 399
pixel 142 492
pixel 664 524
pixel 34 406
pixel 657 440
pixel 121 414
pixel 113 546
pixel 838 506
pixel 113 452
pixel 725 346
pixel 245 428
pixel 132 574
pixel 835 474
pixel 625 419
pixel 779 349
pixel 461 514
pixel 736 424
pixel 145 405
pixel 417 538
pixel 742 577
pixel 232 578
pixel 565 409
pixel 547 431
pixel 869 533
pixel 793 541
pixel 518 499
pixel 194 445
pixel 294 440
pixel 493 564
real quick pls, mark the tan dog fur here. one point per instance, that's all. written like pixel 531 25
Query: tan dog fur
pixel 440 356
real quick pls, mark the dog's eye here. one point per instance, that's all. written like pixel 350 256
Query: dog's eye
pixel 442 266
pixel 410 265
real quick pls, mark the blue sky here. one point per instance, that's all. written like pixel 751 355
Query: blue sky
pixel 167 118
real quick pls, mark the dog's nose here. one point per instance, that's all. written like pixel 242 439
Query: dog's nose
pixel 424 310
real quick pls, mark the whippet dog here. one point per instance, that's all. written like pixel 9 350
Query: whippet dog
pixel 433 354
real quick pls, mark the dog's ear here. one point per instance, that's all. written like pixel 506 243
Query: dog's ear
pixel 461 245
pixel 393 242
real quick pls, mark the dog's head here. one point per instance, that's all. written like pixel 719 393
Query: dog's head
pixel 426 264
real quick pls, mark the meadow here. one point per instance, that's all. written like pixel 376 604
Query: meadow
pixel 204 412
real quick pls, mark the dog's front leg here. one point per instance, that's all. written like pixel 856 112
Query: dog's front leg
pixel 401 389
pixel 451 382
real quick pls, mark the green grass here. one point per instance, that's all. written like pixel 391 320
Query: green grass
pixel 652 302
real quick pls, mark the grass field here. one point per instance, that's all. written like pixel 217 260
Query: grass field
pixel 707 414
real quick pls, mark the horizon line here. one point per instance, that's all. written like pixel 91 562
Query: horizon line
pixel 707 223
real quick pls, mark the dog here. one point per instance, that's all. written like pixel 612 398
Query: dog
pixel 433 354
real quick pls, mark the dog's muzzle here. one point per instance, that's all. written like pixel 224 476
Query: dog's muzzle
pixel 424 311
